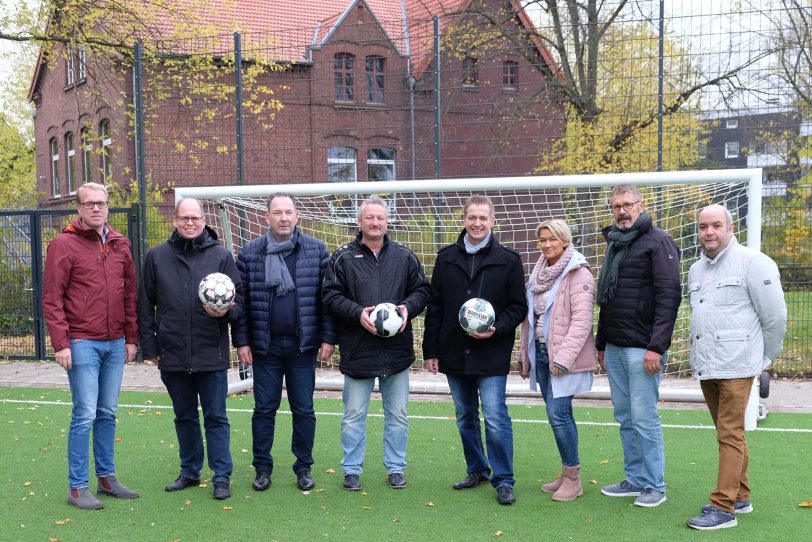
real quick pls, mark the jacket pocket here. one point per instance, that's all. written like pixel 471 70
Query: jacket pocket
pixel 693 293
pixel 729 291
pixel 730 345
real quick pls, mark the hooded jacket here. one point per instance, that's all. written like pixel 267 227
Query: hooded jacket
pixel 494 273
pixel 356 279
pixel 172 320
pixel 89 287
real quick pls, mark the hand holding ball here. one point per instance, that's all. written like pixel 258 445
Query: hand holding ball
pixel 387 319
pixel 477 315
pixel 216 291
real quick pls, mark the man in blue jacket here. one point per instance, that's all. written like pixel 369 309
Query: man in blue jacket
pixel 281 331
pixel 363 273
pixel 639 294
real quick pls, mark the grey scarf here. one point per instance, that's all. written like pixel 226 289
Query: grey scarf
pixel 473 249
pixel 277 276
pixel 619 241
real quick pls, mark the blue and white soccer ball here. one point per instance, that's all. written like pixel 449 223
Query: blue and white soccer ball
pixel 477 315
pixel 216 291
pixel 387 319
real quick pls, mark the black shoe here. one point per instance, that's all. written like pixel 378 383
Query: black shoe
pixel 262 481
pixel 221 491
pixel 472 480
pixel 352 482
pixel 304 481
pixel 397 480
pixel 182 483
pixel 504 494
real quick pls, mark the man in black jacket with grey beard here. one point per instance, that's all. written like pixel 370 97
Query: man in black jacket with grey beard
pixel 363 273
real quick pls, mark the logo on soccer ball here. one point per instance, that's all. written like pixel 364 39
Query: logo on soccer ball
pixel 387 319
pixel 216 291
pixel 476 315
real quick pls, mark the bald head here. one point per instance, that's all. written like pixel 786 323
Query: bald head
pixel 715 225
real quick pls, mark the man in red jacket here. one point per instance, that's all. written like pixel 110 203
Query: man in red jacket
pixel 90 308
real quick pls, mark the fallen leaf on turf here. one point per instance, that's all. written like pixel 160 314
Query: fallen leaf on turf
pixel 158 413
pixel 321 489
pixel 364 493
pixel 204 485
pixel 119 439
pixel 604 461
pixel 498 533
pixel 228 507
pixel 593 481
pixel 805 504
pixel 62 521
pixel 54 539
pixel 429 504
pixel 330 471
pixel 396 520
pixel 244 451
pixel 367 508
pixel 187 502
pixel 27 483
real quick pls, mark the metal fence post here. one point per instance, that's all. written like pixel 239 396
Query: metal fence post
pixel 140 163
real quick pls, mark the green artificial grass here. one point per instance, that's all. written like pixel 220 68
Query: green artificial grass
pixel 34 476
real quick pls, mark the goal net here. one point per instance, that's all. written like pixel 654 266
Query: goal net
pixel 426 215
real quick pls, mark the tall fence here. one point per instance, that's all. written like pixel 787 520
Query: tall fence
pixel 381 94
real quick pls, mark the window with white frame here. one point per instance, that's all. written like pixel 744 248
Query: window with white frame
pixel 53 144
pixel 345 85
pixel 70 155
pixel 374 69
pixel 731 124
pixel 70 69
pixel 381 165
pixel 87 155
pixel 342 168
pixel 106 149
pixel 75 65
pixel 732 149
pixel 82 63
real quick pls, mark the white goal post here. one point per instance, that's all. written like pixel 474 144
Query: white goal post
pixel 426 214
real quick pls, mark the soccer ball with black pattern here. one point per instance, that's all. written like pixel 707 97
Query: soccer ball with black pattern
pixel 477 315
pixel 216 291
pixel 387 319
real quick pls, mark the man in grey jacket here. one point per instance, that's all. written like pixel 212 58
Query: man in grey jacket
pixel 738 320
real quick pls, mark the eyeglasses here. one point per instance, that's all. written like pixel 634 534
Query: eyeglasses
pixel 192 219
pixel 91 204
pixel 625 206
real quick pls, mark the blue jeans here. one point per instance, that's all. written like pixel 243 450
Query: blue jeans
pixel 395 396
pixel 634 397
pixel 468 392
pixel 212 388
pixel 298 369
pixel 559 410
pixel 95 382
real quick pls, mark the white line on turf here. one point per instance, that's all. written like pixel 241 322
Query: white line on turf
pixel 411 416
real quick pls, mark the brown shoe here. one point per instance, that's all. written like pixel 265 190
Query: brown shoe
pixel 571 487
pixel 553 486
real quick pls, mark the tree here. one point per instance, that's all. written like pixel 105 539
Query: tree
pixel 793 32
pixel 17 169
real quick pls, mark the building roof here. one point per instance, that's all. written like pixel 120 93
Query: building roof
pixel 287 30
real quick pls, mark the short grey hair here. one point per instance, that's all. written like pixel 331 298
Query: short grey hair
pixel 281 195
pixel 373 200
pixel 626 188
pixel 177 206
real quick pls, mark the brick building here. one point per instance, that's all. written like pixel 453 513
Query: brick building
pixel 353 83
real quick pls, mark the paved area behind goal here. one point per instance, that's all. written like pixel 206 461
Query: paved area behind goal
pixel 785 395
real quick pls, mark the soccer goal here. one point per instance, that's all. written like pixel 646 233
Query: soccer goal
pixel 427 214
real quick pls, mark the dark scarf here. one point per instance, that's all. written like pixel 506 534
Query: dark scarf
pixel 619 241
pixel 277 276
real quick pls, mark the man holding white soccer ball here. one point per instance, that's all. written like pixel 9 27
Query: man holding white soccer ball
pixel 370 283
pixel 477 302
pixel 190 290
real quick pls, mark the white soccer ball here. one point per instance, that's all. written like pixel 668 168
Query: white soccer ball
pixel 477 315
pixel 387 319
pixel 216 291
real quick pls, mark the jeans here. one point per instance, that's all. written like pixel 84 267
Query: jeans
pixel 634 397
pixel 559 411
pixel 212 388
pixel 727 401
pixel 95 382
pixel 395 396
pixel 468 392
pixel 299 372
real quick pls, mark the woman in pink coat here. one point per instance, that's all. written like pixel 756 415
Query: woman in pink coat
pixel 557 345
